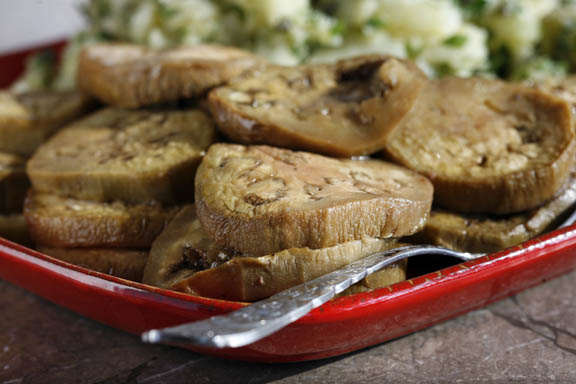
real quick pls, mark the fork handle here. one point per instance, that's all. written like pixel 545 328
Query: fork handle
pixel 256 321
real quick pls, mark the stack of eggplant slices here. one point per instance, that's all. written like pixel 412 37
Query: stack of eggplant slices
pixel 210 171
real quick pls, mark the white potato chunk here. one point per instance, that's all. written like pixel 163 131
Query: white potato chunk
pixel 270 12
pixel 357 12
pixel 468 54
pixel 425 19
pixel 379 42
pixel 517 24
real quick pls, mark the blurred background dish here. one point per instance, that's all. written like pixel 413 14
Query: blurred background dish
pixel 512 39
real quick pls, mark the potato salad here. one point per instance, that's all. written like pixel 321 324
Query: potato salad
pixel 512 39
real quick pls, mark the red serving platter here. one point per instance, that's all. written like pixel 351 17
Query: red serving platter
pixel 343 325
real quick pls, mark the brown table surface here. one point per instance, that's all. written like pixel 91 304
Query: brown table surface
pixel 529 338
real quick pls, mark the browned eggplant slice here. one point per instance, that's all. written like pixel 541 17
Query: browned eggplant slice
pixel 59 222
pixel 184 258
pixel 563 87
pixel 28 119
pixel 490 234
pixel 259 200
pixel 128 155
pixel 124 263
pixel 130 76
pixel 342 109
pixel 487 146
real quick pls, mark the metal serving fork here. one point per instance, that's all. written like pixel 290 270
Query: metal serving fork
pixel 256 321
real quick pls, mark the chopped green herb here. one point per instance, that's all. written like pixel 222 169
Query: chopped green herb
pixel 376 23
pixel 165 10
pixel 444 69
pixel 103 9
pixel 39 74
pixel 509 9
pixel 412 51
pixel 313 46
pixel 179 34
pixel 563 45
pixel 456 41
pixel 300 51
pixel 339 28
pixel 474 8
pixel 235 10
pixel 329 7
pixel 501 62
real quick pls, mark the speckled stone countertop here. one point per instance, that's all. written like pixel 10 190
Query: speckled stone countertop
pixel 529 338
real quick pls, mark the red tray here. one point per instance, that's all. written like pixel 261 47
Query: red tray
pixel 342 325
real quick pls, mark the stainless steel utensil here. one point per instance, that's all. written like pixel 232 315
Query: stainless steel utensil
pixel 256 321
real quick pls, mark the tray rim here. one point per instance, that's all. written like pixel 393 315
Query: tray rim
pixel 338 306
pixel 374 317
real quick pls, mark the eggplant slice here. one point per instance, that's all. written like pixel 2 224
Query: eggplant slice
pixel 132 76
pixel 29 119
pixel 341 109
pixel 185 259
pixel 60 222
pixel 132 156
pixel 487 146
pixel 260 200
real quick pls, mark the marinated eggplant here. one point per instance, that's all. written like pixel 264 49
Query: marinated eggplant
pixel 487 146
pixel 28 119
pixel 341 109
pixel 260 200
pixel 59 222
pixel 131 76
pixel 184 258
pixel 482 233
pixel 132 156
pixel 124 263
